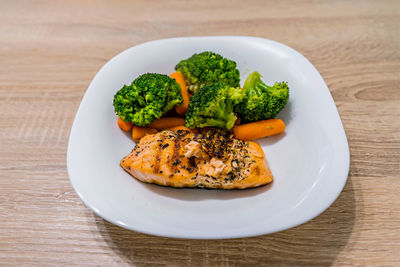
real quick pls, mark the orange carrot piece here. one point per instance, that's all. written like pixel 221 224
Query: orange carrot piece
pixel 139 132
pixel 184 128
pixel 166 122
pixel 258 129
pixel 124 125
pixel 178 76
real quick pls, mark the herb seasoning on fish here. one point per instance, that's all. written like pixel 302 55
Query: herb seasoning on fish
pixel 211 160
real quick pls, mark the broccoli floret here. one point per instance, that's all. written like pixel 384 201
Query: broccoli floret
pixel 212 106
pixel 261 102
pixel 149 97
pixel 208 68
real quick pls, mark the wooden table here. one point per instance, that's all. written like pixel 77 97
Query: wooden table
pixel 50 51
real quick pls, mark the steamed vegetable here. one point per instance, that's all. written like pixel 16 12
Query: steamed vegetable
pixel 261 101
pixel 212 106
pixel 181 109
pixel 166 122
pixel 259 129
pixel 149 97
pixel 208 68
pixel 124 125
pixel 139 132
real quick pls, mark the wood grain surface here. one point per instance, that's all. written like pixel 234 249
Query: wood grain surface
pixel 51 50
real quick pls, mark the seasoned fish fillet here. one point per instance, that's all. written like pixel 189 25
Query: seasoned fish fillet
pixel 211 160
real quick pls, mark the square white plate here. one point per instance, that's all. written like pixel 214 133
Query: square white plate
pixel 310 161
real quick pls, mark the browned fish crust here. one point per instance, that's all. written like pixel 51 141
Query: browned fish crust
pixel 212 160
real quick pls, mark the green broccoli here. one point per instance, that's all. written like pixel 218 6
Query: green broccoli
pixel 261 102
pixel 207 68
pixel 212 106
pixel 149 97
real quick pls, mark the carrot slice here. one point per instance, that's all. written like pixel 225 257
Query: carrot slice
pixel 178 76
pixel 183 128
pixel 139 132
pixel 124 125
pixel 259 129
pixel 166 122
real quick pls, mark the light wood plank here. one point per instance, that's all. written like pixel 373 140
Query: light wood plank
pixel 50 51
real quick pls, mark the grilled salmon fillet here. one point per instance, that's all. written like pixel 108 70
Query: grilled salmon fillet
pixel 211 160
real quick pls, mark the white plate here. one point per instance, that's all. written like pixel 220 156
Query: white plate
pixel 310 162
